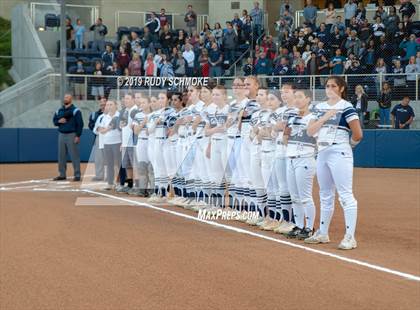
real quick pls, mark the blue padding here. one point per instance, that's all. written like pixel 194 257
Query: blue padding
pixel 86 143
pixel 397 149
pixel 364 152
pixel 42 144
pixel 9 145
pixel 37 144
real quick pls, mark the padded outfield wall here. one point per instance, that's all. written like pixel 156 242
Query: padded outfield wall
pixel 378 149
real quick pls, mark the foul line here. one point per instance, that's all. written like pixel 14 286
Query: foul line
pixel 250 233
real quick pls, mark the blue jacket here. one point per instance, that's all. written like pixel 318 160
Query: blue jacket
pixel 93 117
pixel 263 66
pixel 74 120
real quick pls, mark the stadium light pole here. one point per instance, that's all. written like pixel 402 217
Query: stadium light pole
pixel 63 46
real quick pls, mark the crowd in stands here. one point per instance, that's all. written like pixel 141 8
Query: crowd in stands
pixel 352 44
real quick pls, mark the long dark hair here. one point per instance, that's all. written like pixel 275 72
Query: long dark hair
pixel 341 84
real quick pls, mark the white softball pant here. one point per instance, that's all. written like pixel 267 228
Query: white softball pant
pixel 300 176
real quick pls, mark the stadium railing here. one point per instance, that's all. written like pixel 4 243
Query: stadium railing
pixel 370 13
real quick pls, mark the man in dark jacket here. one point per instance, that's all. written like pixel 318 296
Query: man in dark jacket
pixel 69 121
pixel 97 152
pixel 230 42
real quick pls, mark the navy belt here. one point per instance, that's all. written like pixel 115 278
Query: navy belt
pixel 233 137
pixel 161 138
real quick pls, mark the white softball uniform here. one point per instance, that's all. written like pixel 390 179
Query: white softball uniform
pixel 335 165
pixel 301 170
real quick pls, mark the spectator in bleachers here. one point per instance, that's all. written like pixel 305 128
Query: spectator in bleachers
pixel 154 26
pixel 258 19
pixel 312 66
pixel 236 21
pixel 249 67
pixel 166 68
pixel 69 33
pixel 402 114
pixel 247 30
pixel 125 43
pixel 407 24
pixel 189 57
pixel 360 103
pixel 337 63
pixel 134 67
pixel 330 16
pixel 310 14
pixel 79 82
pixel 380 12
pixel 399 78
pixel 378 30
pixel 134 39
pixel 324 69
pixel 350 9
pixel 97 81
pixel 123 58
pixel 218 33
pixel 380 71
pixel 368 58
pixel 391 21
pixel 384 101
pixel 410 47
pixel 286 6
pixel 244 16
pixel 407 9
pixel 263 65
pixel 115 69
pixel 99 33
pixel 180 39
pixel 150 67
pixel 215 61
pixel 203 60
pixel 79 31
pixel 108 57
pixel 385 50
pixel 230 43
pixel 163 19
pixel 338 25
pixel 190 19
pixel 353 43
pixel 179 65
pixel 411 69
pixel 282 67
pixel 166 39
pixel 284 24
pixel 360 13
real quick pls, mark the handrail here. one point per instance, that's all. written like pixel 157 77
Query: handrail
pixel 299 13
pixel 250 48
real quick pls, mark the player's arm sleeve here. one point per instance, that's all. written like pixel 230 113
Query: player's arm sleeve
pixel 56 117
pixel 350 114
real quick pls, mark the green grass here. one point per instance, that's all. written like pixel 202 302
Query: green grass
pixel 5 50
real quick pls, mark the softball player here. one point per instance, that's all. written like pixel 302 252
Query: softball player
pixel 335 160
pixel 127 144
pixel 301 166
pixel 268 154
pixel 158 127
pixel 151 124
pixel 216 118
pixel 237 178
pixel 201 161
pixel 140 129
pixel 251 89
pixel 111 139
pixel 258 136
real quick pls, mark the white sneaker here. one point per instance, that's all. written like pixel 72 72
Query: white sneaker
pixel 348 243
pixel 152 198
pixel 317 238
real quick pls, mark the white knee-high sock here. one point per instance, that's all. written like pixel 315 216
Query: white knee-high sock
pixel 309 209
pixel 350 217
pixel 325 220
pixel 298 214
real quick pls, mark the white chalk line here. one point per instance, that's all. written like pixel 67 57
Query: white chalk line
pixel 247 232
pixel 231 228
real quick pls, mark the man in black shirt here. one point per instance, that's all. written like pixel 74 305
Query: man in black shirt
pixel 69 121
pixel 402 114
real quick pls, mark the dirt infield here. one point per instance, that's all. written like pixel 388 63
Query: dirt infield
pixel 55 255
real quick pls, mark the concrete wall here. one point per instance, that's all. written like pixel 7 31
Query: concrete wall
pixel 26 43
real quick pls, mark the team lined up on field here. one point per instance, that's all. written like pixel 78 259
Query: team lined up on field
pixel 257 153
